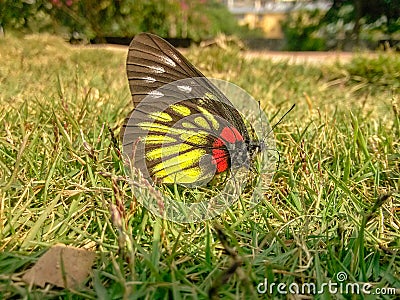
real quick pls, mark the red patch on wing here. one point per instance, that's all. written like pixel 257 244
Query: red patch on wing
pixel 220 159
pixel 231 135
pixel 220 155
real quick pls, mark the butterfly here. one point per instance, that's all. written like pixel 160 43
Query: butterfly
pixel 183 129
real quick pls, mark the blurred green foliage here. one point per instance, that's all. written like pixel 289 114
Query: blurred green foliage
pixel 301 31
pixel 382 14
pixel 96 19
pixel 18 14
pixel 343 26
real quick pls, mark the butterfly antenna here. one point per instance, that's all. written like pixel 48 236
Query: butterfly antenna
pixel 281 119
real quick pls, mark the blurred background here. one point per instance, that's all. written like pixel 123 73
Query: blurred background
pixel 296 25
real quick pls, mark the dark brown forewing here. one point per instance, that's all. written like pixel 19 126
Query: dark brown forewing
pixel 153 62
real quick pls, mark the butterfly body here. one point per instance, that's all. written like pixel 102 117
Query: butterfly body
pixel 188 131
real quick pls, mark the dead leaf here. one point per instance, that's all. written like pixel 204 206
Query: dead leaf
pixel 63 266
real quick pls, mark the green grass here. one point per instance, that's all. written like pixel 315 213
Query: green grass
pixel 333 205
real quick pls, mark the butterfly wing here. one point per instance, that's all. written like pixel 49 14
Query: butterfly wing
pixel 152 63
pixel 179 115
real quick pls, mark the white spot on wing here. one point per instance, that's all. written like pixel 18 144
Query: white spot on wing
pixel 168 61
pixel 149 79
pixel 172 54
pixel 156 94
pixel 184 88
pixel 157 69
